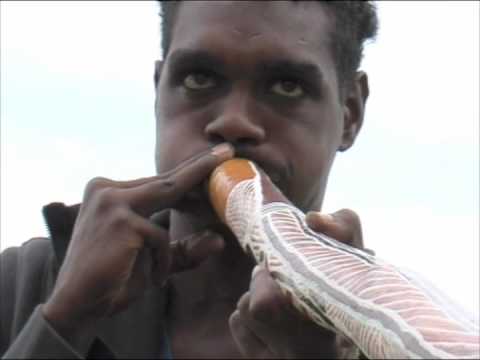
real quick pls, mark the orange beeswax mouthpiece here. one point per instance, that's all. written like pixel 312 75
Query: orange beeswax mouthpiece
pixel 223 180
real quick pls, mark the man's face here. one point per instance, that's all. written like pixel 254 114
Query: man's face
pixel 261 76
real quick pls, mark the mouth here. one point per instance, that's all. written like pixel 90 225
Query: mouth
pixel 275 169
pixel 277 175
pixel 269 162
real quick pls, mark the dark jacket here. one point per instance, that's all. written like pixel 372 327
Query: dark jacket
pixel 27 277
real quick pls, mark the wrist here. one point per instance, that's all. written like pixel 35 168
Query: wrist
pixel 65 321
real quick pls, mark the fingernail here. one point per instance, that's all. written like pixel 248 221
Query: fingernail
pixel 315 216
pixel 325 217
pixel 223 151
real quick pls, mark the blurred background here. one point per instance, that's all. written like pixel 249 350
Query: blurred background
pixel 77 102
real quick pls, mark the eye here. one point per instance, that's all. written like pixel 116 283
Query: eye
pixel 199 81
pixel 287 88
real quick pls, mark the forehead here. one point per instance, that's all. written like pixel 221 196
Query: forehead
pixel 265 29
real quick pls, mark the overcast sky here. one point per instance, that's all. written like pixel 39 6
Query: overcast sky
pixel 77 102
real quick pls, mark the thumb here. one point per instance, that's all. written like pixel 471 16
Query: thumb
pixel 343 225
pixel 322 223
pixel 319 222
pixel 191 251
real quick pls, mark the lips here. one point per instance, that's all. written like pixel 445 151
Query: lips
pixel 266 160
pixel 277 175
pixel 274 176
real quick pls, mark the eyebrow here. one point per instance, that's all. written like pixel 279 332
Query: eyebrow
pixel 303 69
pixel 196 57
pixel 188 57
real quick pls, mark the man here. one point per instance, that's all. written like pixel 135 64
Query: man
pixel 143 268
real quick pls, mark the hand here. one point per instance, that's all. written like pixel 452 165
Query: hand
pixel 343 225
pixel 116 251
pixel 266 324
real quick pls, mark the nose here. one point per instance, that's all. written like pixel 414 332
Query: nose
pixel 234 124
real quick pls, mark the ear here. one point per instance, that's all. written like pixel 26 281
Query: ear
pixel 354 109
pixel 157 72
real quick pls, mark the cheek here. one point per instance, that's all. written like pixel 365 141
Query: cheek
pixel 178 138
pixel 312 157
pixel 315 140
pixel 176 143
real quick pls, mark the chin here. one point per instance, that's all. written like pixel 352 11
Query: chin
pixel 195 210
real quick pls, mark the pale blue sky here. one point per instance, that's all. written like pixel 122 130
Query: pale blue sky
pixel 77 102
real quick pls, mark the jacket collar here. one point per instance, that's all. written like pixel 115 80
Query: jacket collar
pixel 138 332
pixel 60 220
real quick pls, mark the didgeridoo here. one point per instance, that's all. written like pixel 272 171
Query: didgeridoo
pixel 384 311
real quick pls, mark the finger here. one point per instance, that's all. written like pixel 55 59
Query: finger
pixel 141 273
pixel 149 179
pixel 164 192
pixel 189 252
pixel 350 222
pixel 136 279
pixel 243 305
pixel 156 242
pixel 161 256
pixel 320 222
pixel 266 298
pixel 264 309
pixel 152 235
pixel 329 225
pixel 343 225
pixel 273 319
pixel 247 342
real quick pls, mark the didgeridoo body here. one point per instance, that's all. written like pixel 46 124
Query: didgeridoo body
pixel 385 312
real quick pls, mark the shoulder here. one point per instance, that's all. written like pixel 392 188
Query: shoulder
pixel 30 256
pixel 26 277
pixel 28 262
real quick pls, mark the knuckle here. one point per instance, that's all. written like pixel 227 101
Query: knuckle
pixel 263 307
pixel 101 195
pixel 244 303
pixel 101 190
pixel 352 228
pixel 121 217
pixel 168 183
pixel 234 320
pixel 165 186
pixel 350 217
pixel 96 184
pixel 93 186
pixel 106 197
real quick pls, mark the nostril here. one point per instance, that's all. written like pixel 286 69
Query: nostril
pixel 234 128
pixel 246 141
pixel 216 139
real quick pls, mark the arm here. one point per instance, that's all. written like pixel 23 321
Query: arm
pixel 24 332
pixel 117 251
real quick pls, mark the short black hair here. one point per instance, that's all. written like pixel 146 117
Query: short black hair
pixel 355 22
